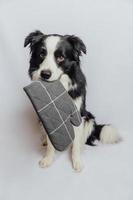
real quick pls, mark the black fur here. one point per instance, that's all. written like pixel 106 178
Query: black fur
pixel 95 135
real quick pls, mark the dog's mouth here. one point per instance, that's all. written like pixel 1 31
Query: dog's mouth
pixel 50 80
pixel 46 80
pixel 37 77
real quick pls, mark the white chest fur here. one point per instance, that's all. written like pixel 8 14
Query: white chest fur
pixel 67 83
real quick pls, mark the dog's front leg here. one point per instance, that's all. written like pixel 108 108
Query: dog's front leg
pixel 48 159
pixel 43 134
pixel 76 148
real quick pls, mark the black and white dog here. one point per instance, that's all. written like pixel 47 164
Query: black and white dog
pixel 58 57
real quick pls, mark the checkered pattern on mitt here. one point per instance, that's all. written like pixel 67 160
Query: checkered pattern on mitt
pixel 56 110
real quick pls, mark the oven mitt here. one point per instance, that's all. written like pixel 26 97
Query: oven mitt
pixel 56 111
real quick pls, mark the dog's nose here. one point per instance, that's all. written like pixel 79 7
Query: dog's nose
pixel 45 74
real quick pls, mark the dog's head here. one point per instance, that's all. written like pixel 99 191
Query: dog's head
pixel 53 55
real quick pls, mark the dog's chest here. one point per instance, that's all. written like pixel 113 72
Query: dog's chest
pixel 78 102
pixel 67 83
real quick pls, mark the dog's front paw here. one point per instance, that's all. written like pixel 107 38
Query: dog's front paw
pixel 77 165
pixel 45 162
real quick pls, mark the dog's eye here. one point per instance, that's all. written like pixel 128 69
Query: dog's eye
pixel 60 59
pixel 43 54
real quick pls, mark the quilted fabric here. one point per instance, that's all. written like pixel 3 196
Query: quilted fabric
pixel 56 110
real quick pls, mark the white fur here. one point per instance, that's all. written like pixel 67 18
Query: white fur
pixel 35 75
pixel 48 159
pixel 49 62
pixel 66 82
pixel 88 128
pixel 109 135
pixel 77 146
pixel 78 102
pixel 43 134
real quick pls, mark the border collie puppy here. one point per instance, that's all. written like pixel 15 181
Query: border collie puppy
pixel 58 57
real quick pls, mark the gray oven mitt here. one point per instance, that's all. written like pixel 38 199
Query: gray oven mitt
pixel 56 111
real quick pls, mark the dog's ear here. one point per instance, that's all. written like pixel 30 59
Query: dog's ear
pixel 76 43
pixel 33 38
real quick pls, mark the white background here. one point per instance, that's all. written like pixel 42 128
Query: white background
pixel 106 28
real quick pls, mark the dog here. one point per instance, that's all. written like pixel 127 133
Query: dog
pixel 55 57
